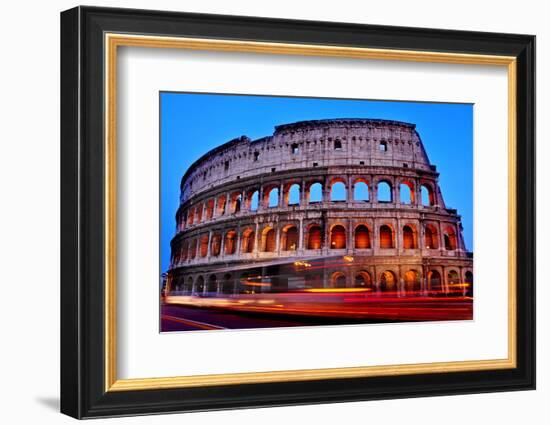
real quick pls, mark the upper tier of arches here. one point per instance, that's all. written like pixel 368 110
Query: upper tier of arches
pixel 309 144
pixel 355 191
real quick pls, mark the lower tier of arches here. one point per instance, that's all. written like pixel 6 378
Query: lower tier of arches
pixel 325 275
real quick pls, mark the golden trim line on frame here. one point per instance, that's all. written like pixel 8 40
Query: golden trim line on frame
pixel 113 41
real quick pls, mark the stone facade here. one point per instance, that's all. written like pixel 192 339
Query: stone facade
pixel 327 203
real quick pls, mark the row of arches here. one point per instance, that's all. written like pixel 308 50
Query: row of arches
pixel 410 281
pixel 287 238
pixel 295 194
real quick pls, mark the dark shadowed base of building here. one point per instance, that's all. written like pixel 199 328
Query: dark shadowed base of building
pixel 326 291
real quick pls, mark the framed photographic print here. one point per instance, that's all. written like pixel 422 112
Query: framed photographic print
pixel 261 212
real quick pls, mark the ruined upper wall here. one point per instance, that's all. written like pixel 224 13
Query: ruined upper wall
pixel 308 144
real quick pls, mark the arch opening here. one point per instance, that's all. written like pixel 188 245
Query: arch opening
pixel 386 237
pixel 268 240
pixel 388 281
pixel 384 192
pixel 338 237
pixel 315 193
pixel 294 194
pixel 314 237
pixel 290 238
pixel 431 240
pixel 338 192
pixel 361 192
pixel 230 242
pixel 338 280
pixel 247 243
pixel 363 279
pixel 362 237
pixel 409 238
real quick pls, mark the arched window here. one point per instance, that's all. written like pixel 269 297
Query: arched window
pixel 227 284
pixel 212 284
pixel 190 217
pixel 294 194
pixel 361 192
pixel 427 195
pixel 412 281
pixel 221 205
pixel 254 201
pixel 384 192
pixel 209 209
pixel 204 246
pixel 193 249
pixel 453 279
pixel 199 285
pixel 386 237
pixel 388 281
pixel 230 242
pixel 406 195
pixel 362 237
pixel 338 237
pixel 184 250
pixel 215 245
pixel 268 240
pixel 409 238
pixel 314 237
pixel 273 197
pixel 289 238
pixel 450 239
pixel 431 240
pixel 315 193
pixel 236 200
pixel 247 243
pixel 434 281
pixel 338 280
pixel 198 214
pixel 338 192
pixel 363 279
pixel 189 287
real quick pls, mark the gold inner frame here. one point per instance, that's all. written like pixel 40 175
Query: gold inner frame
pixel 113 41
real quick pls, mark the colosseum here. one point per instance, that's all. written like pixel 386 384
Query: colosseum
pixel 333 203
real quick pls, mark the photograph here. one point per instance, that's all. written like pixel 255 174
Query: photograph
pixel 300 211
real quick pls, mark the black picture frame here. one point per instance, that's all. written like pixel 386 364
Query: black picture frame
pixel 83 392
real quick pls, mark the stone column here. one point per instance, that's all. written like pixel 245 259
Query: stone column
pixel 228 205
pixel 441 239
pixel 238 247
pixel 301 236
pixel 208 252
pixel 222 244
pixel 349 236
pixel 261 199
pixel 281 195
pixel 421 238
pixel 349 189
pixel 399 237
pixel 372 191
pixel 376 237
pixel 257 241
pixel 303 200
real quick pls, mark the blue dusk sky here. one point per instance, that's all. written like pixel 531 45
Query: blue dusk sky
pixel 192 124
